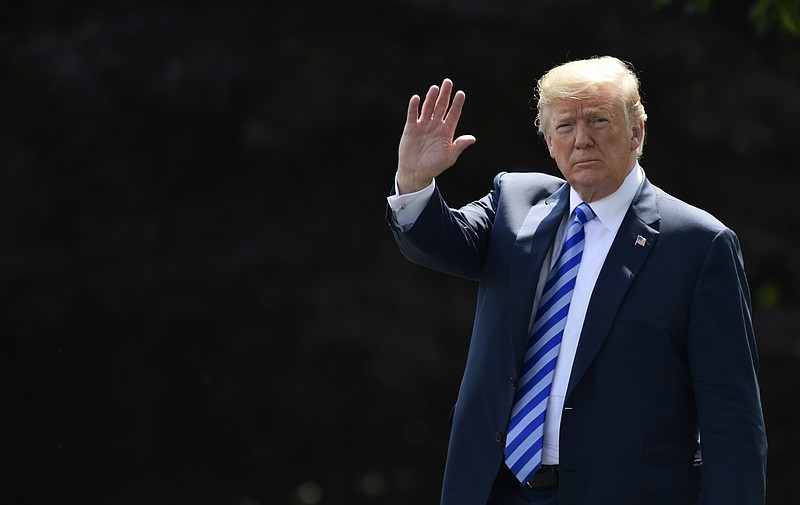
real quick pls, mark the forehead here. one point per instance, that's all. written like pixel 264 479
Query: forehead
pixel 574 106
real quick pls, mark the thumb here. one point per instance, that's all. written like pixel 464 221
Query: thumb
pixel 461 143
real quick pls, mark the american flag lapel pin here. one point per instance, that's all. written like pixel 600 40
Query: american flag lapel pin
pixel 641 241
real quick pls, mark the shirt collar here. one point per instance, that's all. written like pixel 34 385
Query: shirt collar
pixel 611 209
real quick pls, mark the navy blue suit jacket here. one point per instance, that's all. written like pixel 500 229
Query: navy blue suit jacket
pixel 666 357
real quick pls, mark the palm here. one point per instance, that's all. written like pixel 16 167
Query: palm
pixel 427 147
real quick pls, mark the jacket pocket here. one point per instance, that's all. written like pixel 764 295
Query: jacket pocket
pixel 671 478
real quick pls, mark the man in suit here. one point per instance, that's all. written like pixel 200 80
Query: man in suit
pixel 612 359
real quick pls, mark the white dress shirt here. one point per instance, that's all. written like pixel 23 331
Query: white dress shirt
pixel 600 233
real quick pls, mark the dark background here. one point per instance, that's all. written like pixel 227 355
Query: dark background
pixel 201 300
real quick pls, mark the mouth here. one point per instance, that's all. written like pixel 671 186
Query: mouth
pixel 585 163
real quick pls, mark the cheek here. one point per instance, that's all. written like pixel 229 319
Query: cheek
pixel 558 147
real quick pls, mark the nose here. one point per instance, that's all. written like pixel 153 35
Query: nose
pixel 583 138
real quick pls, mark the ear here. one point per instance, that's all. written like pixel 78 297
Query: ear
pixel 637 135
pixel 548 138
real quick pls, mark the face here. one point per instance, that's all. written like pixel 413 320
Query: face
pixel 592 143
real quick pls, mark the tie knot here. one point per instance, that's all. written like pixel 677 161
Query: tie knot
pixel 584 213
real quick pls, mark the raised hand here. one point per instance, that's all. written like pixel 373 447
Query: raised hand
pixel 427 147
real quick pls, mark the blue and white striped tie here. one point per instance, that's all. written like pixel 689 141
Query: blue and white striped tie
pixel 526 425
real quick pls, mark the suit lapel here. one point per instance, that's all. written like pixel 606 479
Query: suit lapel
pixel 635 239
pixel 534 239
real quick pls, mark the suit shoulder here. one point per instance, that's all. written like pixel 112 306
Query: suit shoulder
pixel 528 183
pixel 679 215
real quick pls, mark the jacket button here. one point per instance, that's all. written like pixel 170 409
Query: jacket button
pixel 513 381
pixel 498 437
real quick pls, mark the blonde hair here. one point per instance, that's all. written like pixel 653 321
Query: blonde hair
pixel 580 79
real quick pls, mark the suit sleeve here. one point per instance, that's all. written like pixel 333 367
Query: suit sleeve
pixel 453 241
pixel 724 364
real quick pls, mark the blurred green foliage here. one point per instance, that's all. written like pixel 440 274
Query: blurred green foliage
pixel 763 14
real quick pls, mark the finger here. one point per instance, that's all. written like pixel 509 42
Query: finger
pixel 413 109
pixel 461 143
pixel 430 101
pixel 454 114
pixel 443 101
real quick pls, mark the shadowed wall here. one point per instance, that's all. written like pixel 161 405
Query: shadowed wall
pixel 201 301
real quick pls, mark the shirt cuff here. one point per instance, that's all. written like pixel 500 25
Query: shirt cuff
pixel 407 208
